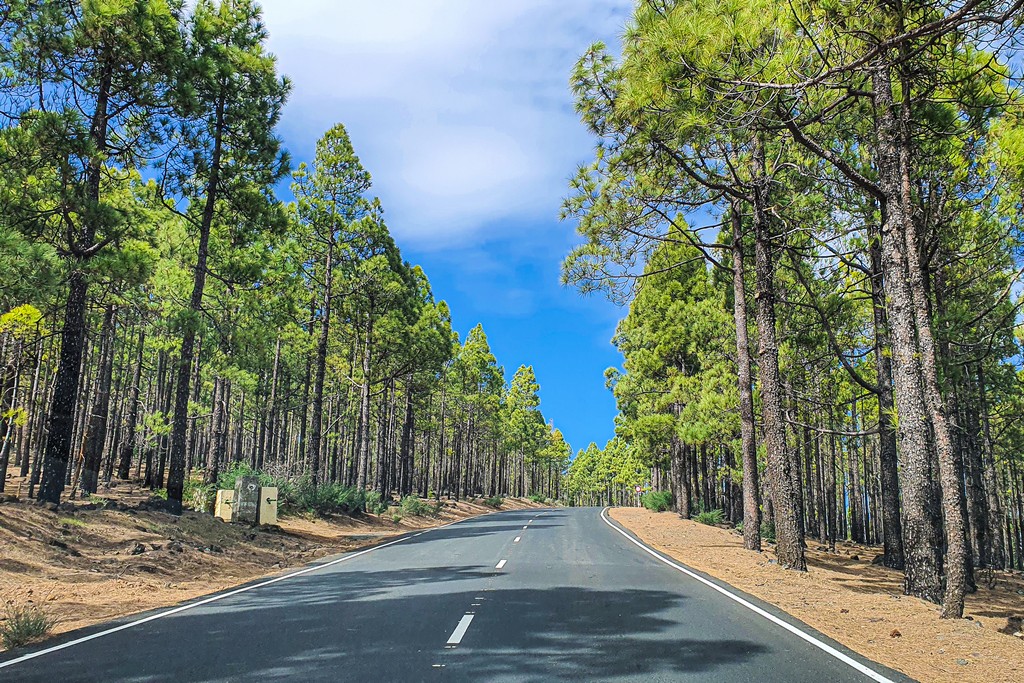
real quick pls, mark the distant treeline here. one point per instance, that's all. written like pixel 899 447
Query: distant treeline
pixel 163 313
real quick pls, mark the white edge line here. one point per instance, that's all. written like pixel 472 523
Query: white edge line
pixel 220 596
pixel 846 659
pixel 456 637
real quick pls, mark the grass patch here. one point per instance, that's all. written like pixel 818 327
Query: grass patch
pixel 24 625
pixel 71 521
pixel 658 501
pixel 494 501
pixel 710 517
pixel 413 506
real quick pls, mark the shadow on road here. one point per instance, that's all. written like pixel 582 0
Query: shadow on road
pixel 321 628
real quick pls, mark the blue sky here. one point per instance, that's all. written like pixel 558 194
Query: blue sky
pixel 460 110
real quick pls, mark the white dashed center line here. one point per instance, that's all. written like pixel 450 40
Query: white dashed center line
pixel 500 564
pixel 456 637
pixel 517 539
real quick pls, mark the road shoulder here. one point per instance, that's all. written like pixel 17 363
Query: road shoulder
pixel 862 611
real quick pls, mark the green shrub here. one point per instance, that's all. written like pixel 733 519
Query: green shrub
pixel 299 496
pixel 199 496
pixel 375 503
pixel 226 479
pixel 160 494
pixel 710 517
pixel 537 498
pixel 494 501
pixel 658 501
pixel 396 518
pixel 24 625
pixel 413 506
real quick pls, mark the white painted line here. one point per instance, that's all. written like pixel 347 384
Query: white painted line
pixel 215 598
pixel 524 527
pixel 500 564
pixel 825 647
pixel 456 637
pixel 517 539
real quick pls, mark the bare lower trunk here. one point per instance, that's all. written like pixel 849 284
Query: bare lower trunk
pixel 920 536
pixel 100 407
pixel 176 475
pixel 789 543
pixel 313 446
pixel 751 491
pixel 363 454
pixel 892 527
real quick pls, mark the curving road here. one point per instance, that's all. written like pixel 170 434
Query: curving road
pixel 529 595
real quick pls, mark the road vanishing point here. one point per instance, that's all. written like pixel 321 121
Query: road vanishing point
pixel 528 595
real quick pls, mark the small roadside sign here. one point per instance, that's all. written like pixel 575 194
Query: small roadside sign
pixel 638 489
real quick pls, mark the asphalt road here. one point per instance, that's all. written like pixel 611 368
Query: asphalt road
pixel 530 595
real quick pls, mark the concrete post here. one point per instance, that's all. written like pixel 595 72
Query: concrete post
pixel 247 500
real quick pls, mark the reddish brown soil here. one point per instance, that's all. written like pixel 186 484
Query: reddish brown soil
pixel 859 604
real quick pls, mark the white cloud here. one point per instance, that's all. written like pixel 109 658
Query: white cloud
pixel 459 108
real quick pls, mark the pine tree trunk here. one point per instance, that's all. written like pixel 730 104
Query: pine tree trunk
pixel 751 486
pixel 997 558
pixel 101 406
pixel 789 544
pixel 176 477
pixel 892 526
pixel 363 451
pixel 921 541
pixel 950 469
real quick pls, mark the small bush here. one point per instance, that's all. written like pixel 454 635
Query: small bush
pixel 537 498
pixel 414 507
pixel 160 494
pixel 396 518
pixel 226 479
pixel 199 496
pixel 24 625
pixel 299 496
pixel 375 503
pixel 710 517
pixel 658 501
pixel 494 501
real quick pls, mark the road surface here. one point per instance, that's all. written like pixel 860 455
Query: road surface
pixel 528 595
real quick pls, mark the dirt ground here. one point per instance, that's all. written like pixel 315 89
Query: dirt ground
pixel 88 562
pixel 859 604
